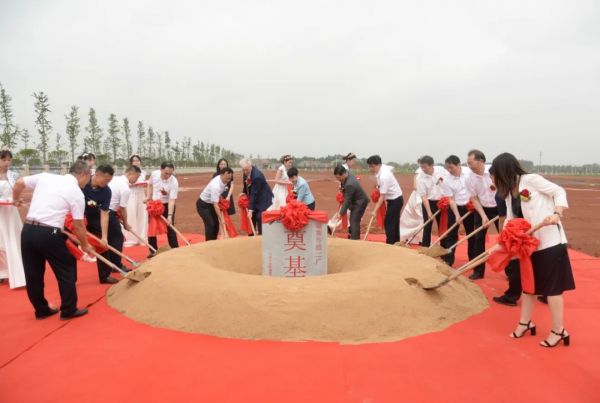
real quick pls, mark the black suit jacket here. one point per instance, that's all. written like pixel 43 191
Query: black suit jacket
pixel 354 195
pixel 259 192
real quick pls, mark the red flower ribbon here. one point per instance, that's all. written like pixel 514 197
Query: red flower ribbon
pixel 290 196
pixel 382 211
pixel 443 205
pixel 243 204
pixel 156 225
pixel 72 248
pixel 294 216
pixel 525 195
pixel 515 242
pixel 224 205
pixel 340 199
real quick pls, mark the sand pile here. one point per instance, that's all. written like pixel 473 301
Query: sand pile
pixel 216 288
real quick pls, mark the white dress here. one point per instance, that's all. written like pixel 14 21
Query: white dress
pixel 280 191
pixel 11 263
pixel 137 215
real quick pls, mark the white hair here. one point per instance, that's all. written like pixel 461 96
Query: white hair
pixel 244 162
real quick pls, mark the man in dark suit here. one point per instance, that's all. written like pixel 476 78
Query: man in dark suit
pixel 258 191
pixel 355 199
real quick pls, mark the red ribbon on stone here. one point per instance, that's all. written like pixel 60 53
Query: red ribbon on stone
pixel 243 204
pixel 340 199
pixel 224 205
pixel 156 225
pixel 294 216
pixel 443 205
pixel 515 242
pixel 382 211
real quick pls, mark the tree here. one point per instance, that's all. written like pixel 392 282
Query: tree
pixel 43 125
pixel 93 141
pixel 168 146
pixel 159 145
pixel 127 136
pixel 25 138
pixel 10 132
pixel 141 136
pixel 73 127
pixel 114 142
pixel 58 154
pixel 150 149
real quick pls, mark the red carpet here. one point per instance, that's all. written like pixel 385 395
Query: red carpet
pixel 107 357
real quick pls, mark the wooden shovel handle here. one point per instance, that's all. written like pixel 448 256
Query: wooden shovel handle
pixel 369 227
pixel 175 229
pixel 420 227
pixel 96 254
pixel 445 234
pixel 112 249
pixel 472 234
pixel 146 244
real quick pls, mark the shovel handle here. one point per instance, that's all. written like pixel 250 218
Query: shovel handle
pixel 175 229
pixel 369 227
pixel 114 250
pixel 139 238
pixel 96 254
pixel 445 234
pixel 420 227
pixel 335 226
pixel 472 234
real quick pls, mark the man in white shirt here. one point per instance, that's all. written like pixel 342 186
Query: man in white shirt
pixel 391 194
pixel 430 189
pixel 119 187
pixel 163 186
pixel 207 204
pixel 42 239
pixel 483 195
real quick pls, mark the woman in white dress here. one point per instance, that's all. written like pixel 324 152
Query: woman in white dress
pixel 11 263
pixel 282 183
pixel 137 216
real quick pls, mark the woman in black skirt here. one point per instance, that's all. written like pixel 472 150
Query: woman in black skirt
pixel 537 200
pixel 228 193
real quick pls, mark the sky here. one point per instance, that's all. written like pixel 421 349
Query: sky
pixel 396 78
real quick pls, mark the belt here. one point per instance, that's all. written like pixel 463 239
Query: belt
pixel 39 224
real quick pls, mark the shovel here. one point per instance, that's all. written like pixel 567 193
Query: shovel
pixel 435 250
pixel 142 241
pixel 176 230
pixel 419 229
pixel 369 227
pixel 115 250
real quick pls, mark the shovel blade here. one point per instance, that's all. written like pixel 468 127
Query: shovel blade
pixel 435 251
pixel 137 275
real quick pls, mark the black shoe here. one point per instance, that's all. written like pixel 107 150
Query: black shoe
pixel 151 255
pixel 542 299
pixel 76 314
pixel 475 276
pixel 109 280
pixel 504 300
pixel 50 312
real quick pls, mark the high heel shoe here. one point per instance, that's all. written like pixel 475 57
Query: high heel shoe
pixel 529 328
pixel 565 338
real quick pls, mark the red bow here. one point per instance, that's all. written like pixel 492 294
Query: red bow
pixel 290 196
pixel 443 204
pixel 224 205
pixel 243 204
pixel 340 199
pixel 515 242
pixel 382 211
pixel 156 225
pixel 72 248
pixel 294 216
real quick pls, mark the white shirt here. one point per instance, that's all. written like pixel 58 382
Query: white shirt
pixel 430 186
pixel 170 187
pixel 53 197
pixel 456 187
pixel 388 185
pixel 119 187
pixel 212 192
pixel 482 187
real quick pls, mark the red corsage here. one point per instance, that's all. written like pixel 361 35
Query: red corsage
pixel 525 195
pixel 492 188
pixel 248 182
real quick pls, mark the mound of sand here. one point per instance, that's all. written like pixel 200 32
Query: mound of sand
pixel 216 288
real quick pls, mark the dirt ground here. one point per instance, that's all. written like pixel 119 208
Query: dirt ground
pixel 580 220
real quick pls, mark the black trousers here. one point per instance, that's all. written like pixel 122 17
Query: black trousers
pixel 94 227
pixel 209 217
pixel 115 238
pixel 311 206
pixel 513 272
pixel 171 235
pixel 38 245
pixel 356 213
pixel 452 237
pixel 391 222
pixel 426 240
pixel 257 221
pixel 479 248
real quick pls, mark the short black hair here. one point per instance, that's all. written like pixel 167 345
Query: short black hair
pixel 339 170
pixel 478 155
pixel 453 159
pixel 5 153
pixel 134 156
pixel 133 168
pixel 226 170
pixel 426 159
pixel 106 169
pixel 166 164
pixel 79 167
pixel 293 171
pixel 506 170
pixel 374 160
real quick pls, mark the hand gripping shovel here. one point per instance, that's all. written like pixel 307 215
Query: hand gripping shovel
pixel 442 252
pixel 435 249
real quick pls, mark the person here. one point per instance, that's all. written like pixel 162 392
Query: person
pixel 97 212
pixel 349 162
pixel 228 192
pixel 355 199
pixel 42 239
pixel 11 263
pixel 301 188
pixel 391 194
pixel 412 215
pixel 207 204
pixel 90 160
pixel 455 188
pixel 163 186
pixel 483 196
pixel 537 200
pixel 429 188
pixel 258 192
pixel 137 215
pixel 118 214
pixel 282 183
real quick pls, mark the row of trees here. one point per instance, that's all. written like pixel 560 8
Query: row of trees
pixel 113 145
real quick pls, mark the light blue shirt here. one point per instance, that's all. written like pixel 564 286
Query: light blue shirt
pixel 303 192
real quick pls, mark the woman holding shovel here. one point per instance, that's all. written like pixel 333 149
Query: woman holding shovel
pixel 537 200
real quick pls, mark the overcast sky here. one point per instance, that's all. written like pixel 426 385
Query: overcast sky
pixel 397 78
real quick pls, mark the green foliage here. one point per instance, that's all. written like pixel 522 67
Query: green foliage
pixel 93 141
pixel 10 132
pixel 43 125
pixel 114 142
pixel 73 129
pixel 127 137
